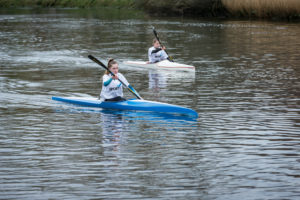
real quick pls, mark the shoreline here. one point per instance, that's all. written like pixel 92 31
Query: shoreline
pixel 233 9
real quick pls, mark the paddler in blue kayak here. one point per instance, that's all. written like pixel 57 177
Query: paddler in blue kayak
pixel 157 53
pixel 112 89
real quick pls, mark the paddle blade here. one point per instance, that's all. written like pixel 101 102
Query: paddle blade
pixel 131 89
pixel 97 61
pixel 155 34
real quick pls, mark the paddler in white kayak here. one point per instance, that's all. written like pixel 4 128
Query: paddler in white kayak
pixel 157 53
pixel 112 89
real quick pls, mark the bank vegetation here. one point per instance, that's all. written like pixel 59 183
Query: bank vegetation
pixel 68 3
pixel 275 9
pixel 263 8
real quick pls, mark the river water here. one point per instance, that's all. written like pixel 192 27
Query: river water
pixel 245 143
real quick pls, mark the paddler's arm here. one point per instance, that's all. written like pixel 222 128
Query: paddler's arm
pixel 158 49
pixel 108 79
pixel 107 82
pixel 123 79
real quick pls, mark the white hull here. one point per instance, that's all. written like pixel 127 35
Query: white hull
pixel 165 64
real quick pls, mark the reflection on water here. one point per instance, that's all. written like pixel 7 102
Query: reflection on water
pixel 157 80
pixel 245 89
pixel 112 126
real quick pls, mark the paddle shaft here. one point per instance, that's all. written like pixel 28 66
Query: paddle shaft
pixel 102 65
pixel 156 36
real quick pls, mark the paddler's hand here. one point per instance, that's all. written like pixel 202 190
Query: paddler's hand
pixel 115 77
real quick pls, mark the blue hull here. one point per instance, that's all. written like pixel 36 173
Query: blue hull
pixel 132 104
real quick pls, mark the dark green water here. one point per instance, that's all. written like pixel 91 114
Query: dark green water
pixel 244 145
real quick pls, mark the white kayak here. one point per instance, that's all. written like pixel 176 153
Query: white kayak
pixel 165 64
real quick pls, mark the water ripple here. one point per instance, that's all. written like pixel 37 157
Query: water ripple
pixel 245 89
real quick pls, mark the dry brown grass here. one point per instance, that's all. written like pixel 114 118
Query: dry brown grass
pixel 263 8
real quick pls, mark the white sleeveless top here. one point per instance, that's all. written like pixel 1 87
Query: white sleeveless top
pixel 156 55
pixel 114 88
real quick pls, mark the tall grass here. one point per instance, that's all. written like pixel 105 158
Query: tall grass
pixel 263 8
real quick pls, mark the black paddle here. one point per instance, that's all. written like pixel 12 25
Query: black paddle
pixel 156 36
pixel 130 88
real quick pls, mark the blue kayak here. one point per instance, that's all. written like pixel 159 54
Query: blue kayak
pixel 131 104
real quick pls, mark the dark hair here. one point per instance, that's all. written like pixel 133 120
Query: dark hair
pixel 110 62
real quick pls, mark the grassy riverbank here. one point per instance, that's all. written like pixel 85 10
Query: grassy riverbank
pixel 263 8
pixel 275 9
pixel 278 9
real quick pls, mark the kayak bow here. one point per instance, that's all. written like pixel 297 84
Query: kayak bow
pixel 131 104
